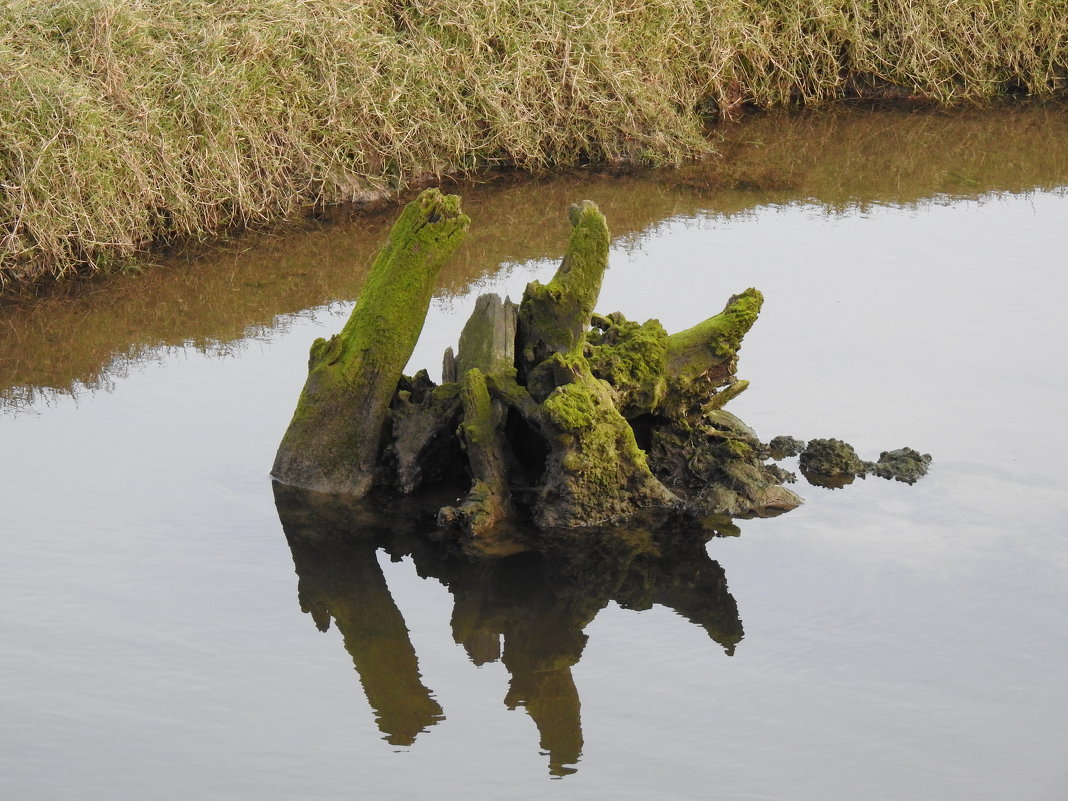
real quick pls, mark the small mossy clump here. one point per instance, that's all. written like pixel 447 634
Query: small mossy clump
pixel 783 447
pixel 632 358
pixel 831 458
pixel 833 463
pixel 903 464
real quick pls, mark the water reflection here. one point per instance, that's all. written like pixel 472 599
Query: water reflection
pixel 84 337
pixel 528 609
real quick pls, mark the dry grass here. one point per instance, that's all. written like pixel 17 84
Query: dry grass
pixel 126 124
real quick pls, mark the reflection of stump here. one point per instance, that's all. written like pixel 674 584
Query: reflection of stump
pixel 529 611
pixel 339 578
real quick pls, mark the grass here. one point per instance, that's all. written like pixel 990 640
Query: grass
pixel 77 339
pixel 130 124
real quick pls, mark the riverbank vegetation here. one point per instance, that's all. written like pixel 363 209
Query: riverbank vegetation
pixel 217 298
pixel 130 124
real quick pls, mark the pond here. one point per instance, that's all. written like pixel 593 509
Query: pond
pixel 882 641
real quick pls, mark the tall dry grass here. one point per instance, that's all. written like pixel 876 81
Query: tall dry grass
pixel 130 123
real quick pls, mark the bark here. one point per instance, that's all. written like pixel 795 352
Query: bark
pixel 334 439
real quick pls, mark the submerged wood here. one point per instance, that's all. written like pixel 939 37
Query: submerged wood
pixel 334 439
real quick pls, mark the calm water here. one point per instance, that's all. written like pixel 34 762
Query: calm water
pixel 882 641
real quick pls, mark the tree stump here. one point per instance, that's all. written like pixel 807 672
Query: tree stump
pixel 559 417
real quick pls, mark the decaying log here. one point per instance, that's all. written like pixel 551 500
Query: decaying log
pixel 334 439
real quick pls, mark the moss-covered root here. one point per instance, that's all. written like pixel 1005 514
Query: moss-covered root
pixel 482 433
pixel 554 318
pixel 334 437
pixel 708 352
pixel 594 471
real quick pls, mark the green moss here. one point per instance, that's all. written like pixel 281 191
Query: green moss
pixel 333 439
pixel 633 359
pixel 603 471
pixel 572 408
pixel 479 424
pixel 554 317
pixel 717 339
pixel 739 449
pixel 391 308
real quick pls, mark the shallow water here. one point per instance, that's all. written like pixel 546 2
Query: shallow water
pixel 882 641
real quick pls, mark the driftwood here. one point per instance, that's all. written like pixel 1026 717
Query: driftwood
pixel 557 415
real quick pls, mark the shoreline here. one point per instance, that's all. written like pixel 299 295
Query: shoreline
pixel 736 163
pixel 130 129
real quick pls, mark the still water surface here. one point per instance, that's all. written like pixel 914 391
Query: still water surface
pixel 882 641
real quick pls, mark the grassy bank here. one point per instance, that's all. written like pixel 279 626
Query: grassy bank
pixel 126 124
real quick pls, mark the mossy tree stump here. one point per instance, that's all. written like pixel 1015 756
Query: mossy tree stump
pixel 557 415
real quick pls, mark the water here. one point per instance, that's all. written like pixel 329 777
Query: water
pixel 896 642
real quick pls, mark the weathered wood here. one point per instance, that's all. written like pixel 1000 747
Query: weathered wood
pixel 335 436
pixel 571 418
pixel 487 346
pixel 554 318
pixel 423 446
pixel 487 342
pixel 482 432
